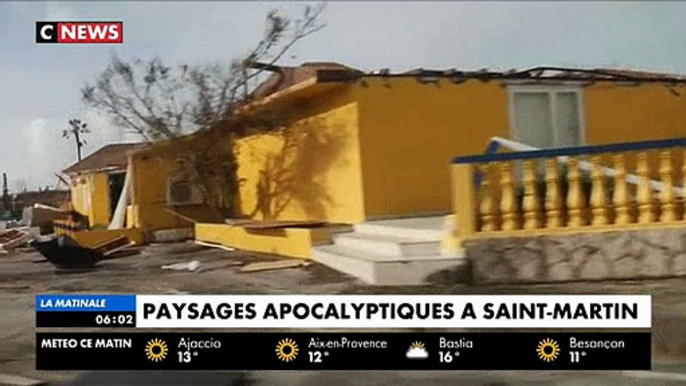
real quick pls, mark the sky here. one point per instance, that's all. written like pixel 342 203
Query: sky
pixel 40 83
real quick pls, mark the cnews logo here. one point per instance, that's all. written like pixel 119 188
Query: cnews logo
pixel 98 32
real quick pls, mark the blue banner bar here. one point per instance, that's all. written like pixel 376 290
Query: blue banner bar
pixel 86 303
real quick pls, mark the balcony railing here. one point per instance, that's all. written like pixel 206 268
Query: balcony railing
pixel 569 189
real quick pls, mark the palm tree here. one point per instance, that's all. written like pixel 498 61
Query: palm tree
pixel 77 129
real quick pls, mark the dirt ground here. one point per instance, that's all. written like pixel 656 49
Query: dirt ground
pixel 21 278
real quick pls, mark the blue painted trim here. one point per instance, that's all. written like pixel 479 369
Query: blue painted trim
pixel 572 151
pixel 492 148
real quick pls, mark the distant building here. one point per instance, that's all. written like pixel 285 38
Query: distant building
pixel 97 181
pixel 54 198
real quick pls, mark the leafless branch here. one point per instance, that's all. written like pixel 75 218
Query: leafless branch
pixel 160 102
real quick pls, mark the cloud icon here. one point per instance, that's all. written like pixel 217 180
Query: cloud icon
pixel 417 353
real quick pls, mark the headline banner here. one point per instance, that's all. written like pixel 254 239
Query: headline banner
pixel 347 311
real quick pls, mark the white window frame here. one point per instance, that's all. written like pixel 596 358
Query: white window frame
pixel 552 92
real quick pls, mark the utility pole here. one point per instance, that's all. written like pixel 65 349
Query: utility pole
pixel 5 193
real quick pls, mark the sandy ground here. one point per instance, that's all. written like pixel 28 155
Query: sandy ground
pixel 21 278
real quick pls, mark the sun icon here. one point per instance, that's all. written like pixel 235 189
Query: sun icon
pixel 548 350
pixel 418 345
pixel 286 350
pixel 156 350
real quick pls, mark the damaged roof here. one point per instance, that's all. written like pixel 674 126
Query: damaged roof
pixel 114 156
pixel 283 77
pixel 539 73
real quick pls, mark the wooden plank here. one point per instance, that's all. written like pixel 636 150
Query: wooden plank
pixel 13 287
pixel 118 240
pixel 273 265
pixel 115 245
pixel 212 245
pixel 119 248
pixel 282 224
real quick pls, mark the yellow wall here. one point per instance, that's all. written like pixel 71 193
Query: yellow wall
pixel 624 113
pixel 311 171
pixel 151 171
pixel 80 199
pixel 410 131
pixel 90 197
pixel 616 113
pixel 149 193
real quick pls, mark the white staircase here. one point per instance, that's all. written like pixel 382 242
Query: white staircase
pixel 390 252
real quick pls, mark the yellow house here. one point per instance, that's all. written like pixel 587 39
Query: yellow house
pixel 364 146
pixel 97 182
pixel 367 146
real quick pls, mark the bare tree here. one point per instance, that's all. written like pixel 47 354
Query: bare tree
pixel 159 102
pixel 76 130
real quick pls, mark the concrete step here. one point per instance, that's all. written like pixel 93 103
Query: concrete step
pixel 385 245
pixel 385 270
pixel 382 228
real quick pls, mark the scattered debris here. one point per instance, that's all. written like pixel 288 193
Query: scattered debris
pixel 43 217
pixel 212 245
pixel 171 235
pixel 14 287
pixel 35 232
pixel 272 265
pixel 218 265
pixel 123 253
pixel 112 246
pixel 189 266
pixel 13 238
pixel 65 253
pixel 177 292
pixel 232 263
